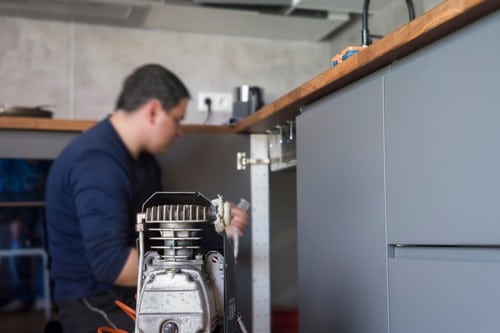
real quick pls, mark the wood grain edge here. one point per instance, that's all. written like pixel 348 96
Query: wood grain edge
pixel 44 124
pixel 70 125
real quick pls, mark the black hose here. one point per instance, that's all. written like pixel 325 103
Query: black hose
pixel 365 33
pixel 411 10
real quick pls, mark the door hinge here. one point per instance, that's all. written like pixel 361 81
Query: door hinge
pixel 242 161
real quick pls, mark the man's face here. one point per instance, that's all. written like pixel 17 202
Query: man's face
pixel 167 126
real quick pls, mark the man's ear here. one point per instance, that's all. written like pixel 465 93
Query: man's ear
pixel 151 109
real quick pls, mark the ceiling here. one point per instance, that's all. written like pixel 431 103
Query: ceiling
pixel 308 20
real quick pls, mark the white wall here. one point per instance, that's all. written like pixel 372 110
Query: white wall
pixel 79 68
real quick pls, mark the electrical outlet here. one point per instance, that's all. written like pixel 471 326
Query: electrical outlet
pixel 221 102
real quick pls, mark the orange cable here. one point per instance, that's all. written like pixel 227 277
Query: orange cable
pixel 127 309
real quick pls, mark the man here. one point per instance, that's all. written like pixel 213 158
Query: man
pixel 94 190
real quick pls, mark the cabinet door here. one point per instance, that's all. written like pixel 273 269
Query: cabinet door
pixel 437 296
pixel 341 225
pixel 206 163
pixel 442 141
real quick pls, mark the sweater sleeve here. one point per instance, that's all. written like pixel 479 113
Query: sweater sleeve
pixel 101 187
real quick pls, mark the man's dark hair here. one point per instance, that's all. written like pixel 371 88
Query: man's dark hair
pixel 148 82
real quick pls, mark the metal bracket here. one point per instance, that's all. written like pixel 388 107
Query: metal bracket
pixel 242 161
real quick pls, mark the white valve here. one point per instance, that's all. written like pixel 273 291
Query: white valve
pixel 223 214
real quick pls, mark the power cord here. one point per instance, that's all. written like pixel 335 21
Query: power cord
pixel 208 103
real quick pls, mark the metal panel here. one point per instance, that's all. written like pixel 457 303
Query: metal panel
pixel 353 6
pixel 246 2
pixel 260 237
pixel 122 13
pixel 442 136
pixel 342 251
pixel 241 23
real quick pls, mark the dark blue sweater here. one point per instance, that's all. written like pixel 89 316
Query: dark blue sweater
pixel 94 191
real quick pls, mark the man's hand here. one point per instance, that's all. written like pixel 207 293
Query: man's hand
pixel 239 221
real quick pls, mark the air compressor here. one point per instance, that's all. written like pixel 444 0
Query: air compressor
pixel 186 277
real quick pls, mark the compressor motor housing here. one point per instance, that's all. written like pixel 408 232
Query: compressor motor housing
pixel 186 279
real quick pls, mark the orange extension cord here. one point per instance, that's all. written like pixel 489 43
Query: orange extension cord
pixel 128 311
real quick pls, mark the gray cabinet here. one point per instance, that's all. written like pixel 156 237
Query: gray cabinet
pixel 398 182
pixel 436 296
pixel 341 225
pixel 442 127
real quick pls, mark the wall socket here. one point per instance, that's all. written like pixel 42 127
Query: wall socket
pixel 221 102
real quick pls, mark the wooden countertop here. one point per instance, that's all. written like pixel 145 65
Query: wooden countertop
pixel 68 125
pixel 439 22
